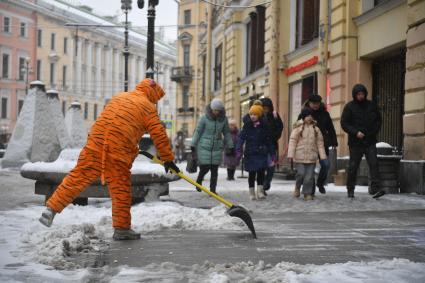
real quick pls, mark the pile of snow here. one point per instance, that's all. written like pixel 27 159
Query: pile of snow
pixel 383 145
pixel 86 229
pixel 396 270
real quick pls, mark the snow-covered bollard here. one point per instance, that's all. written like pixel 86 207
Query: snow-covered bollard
pixel 388 168
pixel 147 179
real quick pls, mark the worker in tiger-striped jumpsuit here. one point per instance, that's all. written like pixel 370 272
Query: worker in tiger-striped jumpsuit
pixel 111 148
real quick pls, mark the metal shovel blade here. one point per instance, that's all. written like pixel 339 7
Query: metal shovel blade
pixel 242 213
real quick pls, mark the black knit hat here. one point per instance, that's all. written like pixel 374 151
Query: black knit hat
pixel 306 112
pixel 314 98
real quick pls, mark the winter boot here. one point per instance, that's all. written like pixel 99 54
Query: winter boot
pixel 308 197
pixel 350 192
pixel 322 189
pixel 125 234
pixel 296 192
pixel 379 194
pixel 252 195
pixel 260 192
pixel 47 217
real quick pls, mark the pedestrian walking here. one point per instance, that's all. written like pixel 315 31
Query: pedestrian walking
pixel 361 120
pixel 305 147
pixel 179 146
pixel 210 138
pixel 326 126
pixel 275 125
pixel 111 148
pixel 255 142
pixel 230 160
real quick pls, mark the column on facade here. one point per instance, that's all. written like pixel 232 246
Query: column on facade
pixel 89 86
pixel 78 66
pixel 132 73
pixel 117 70
pixel 414 100
pixel 98 79
pixel 109 68
pixel 142 68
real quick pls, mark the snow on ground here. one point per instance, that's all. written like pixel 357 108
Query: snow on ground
pixel 32 252
pixel 86 229
pixel 280 197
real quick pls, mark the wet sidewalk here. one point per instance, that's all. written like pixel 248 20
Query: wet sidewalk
pixel 303 237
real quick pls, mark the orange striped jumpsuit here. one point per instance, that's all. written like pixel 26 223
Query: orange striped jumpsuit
pixel 111 148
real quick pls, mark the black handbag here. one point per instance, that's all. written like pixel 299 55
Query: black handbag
pixel 192 163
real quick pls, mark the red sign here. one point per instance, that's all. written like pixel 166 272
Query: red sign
pixel 302 66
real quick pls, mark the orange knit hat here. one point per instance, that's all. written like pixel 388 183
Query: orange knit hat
pixel 256 110
pixel 152 90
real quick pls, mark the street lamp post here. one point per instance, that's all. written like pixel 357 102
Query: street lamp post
pixel 126 6
pixel 151 36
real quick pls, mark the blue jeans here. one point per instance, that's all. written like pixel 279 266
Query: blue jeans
pixel 323 174
pixel 268 178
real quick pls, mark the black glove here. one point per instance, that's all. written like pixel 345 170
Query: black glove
pixel 230 151
pixel 170 165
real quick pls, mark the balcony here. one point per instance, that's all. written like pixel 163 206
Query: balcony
pixel 182 74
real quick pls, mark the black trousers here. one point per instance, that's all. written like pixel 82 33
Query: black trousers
pixel 203 170
pixel 231 173
pixel 260 178
pixel 356 154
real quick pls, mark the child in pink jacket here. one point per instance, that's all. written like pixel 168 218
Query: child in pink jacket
pixel 306 146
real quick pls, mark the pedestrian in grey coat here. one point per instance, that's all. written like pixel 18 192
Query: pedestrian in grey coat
pixel 211 136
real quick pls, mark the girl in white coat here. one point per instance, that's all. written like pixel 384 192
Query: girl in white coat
pixel 305 148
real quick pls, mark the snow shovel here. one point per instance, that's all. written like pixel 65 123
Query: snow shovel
pixel 234 210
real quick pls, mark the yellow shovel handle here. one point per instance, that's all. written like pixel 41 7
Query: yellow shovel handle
pixel 205 190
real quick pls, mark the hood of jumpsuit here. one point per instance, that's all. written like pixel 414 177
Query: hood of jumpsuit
pixel 151 90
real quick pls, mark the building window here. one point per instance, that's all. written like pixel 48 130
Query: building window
pixel 22 70
pixel 217 67
pixel 307 21
pixel 298 94
pixel 186 55
pixel 39 38
pixel 86 110
pixel 256 40
pixel 65 45
pixel 64 77
pixel 185 97
pixel 5 66
pixel 6 24
pixel 52 41
pixel 63 107
pixel 52 74
pixel 20 104
pixel 39 70
pixel 4 107
pixel 94 111
pixel 23 30
pixel 187 15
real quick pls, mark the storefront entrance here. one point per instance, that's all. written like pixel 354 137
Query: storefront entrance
pixel 388 93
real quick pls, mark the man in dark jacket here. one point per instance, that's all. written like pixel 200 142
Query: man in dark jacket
pixel 361 120
pixel 326 126
pixel 275 125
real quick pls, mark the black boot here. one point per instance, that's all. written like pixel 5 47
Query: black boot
pixel 350 192
pixel 322 189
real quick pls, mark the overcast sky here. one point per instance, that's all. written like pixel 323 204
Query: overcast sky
pixel 166 13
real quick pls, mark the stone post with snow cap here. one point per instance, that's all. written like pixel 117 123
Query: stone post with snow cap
pixel 58 119
pixel 34 137
pixel 75 126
